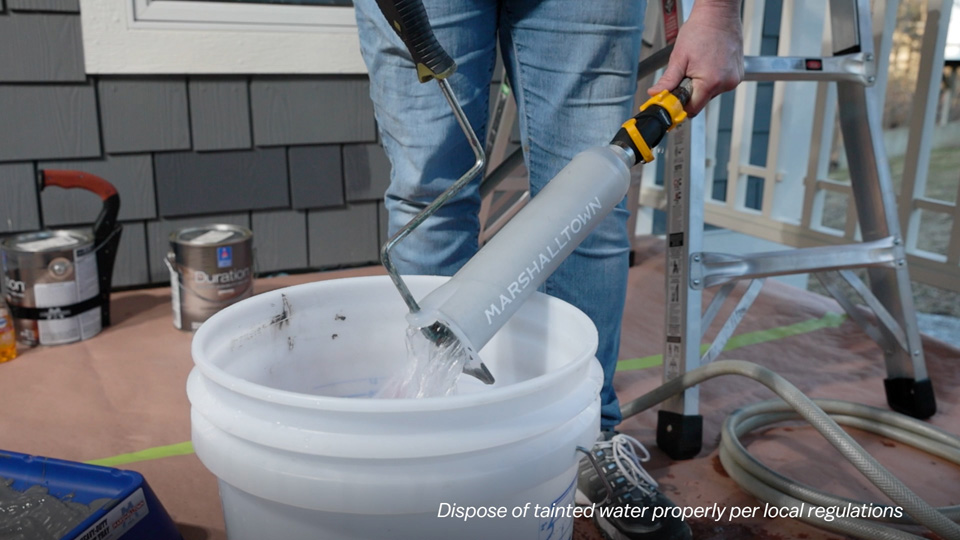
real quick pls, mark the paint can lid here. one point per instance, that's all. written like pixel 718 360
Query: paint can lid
pixel 210 235
pixel 47 241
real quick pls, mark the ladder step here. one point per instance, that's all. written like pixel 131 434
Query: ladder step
pixel 710 269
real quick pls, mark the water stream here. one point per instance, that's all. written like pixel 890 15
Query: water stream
pixel 432 369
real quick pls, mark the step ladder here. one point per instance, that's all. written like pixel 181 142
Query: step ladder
pixel 690 270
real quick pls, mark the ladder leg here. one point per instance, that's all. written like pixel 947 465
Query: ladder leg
pixel 907 386
pixel 679 424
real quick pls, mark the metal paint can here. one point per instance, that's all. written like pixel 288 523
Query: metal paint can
pixel 211 267
pixel 51 283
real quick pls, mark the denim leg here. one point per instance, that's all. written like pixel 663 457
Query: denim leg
pixel 573 69
pixel 573 66
pixel 427 149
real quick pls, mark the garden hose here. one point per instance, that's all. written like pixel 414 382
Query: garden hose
pixel 771 487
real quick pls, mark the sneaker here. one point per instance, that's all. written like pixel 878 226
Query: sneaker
pixel 620 456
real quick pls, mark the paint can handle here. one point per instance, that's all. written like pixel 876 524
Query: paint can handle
pixel 70 179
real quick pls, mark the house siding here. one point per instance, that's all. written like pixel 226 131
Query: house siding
pixel 295 158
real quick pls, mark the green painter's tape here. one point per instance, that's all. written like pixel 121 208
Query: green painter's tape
pixel 829 320
pixel 157 452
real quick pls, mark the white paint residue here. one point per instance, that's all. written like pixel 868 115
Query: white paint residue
pixel 53 242
pixel 212 237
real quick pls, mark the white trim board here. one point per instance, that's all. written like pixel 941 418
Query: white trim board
pixel 163 37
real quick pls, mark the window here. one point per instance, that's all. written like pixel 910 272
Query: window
pixel 217 37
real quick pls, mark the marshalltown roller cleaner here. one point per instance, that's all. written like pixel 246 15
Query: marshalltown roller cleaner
pixel 482 296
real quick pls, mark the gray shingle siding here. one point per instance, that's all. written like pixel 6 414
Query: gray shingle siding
pixel 344 236
pixel 384 225
pixel 145 115
pixel 132 175
pixel 48 122
pixel 280 240
pixel 36 47
pixel 18 205
pixel 366 170
pixel 132 267
pixel 311 111
pixel 316 176
pixel 191 183
pixel 219 114
pixel 67 6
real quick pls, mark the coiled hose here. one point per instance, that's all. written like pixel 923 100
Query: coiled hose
pixel 769 486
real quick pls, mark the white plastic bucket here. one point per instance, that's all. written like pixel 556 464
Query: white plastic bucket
pixel 280 415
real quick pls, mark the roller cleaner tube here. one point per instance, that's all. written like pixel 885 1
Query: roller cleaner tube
pixel 489 289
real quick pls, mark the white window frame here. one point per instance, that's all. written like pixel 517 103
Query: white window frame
pixel 170 37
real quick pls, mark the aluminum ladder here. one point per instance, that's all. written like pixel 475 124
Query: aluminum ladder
pixel 690 270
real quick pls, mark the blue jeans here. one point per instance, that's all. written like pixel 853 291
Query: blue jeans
pixel 572 66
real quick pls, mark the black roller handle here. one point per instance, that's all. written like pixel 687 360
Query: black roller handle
pixel 409 20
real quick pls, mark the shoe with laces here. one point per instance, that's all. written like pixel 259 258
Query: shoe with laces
pixel 619 457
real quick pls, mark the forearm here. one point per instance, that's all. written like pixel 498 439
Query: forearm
pixel 724 9
pixel 732 5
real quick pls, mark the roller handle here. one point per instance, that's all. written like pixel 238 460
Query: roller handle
pixel 107 220
pixel 409 20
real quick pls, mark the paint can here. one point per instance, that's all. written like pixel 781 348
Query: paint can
pixel 52 285
pixel 211 267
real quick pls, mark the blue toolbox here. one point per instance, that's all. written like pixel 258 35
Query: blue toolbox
pixel 122 503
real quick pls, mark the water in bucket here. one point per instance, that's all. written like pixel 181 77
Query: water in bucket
pixel 431 369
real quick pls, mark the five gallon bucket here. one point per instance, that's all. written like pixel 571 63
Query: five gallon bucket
pixel 281 414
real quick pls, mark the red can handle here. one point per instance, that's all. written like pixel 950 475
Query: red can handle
pixel 106 221
pixel 77 179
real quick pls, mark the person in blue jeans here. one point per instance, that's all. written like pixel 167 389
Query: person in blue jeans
pixel 572 66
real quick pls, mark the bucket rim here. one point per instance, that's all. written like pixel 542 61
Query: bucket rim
pixel 219 376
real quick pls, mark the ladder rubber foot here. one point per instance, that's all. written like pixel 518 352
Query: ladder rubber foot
pixel 911 397
pixel 679 436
